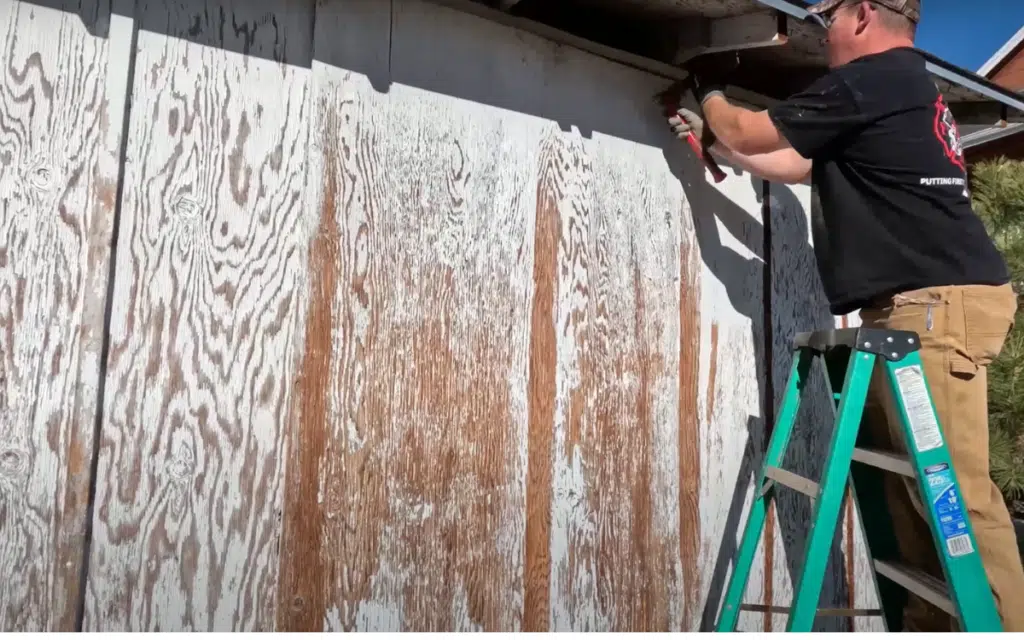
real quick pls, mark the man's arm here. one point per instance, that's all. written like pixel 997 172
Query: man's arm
pixel 785 165
pixel 808 125
pixel 746 132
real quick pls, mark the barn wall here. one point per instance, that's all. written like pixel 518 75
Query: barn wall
pixel 417 322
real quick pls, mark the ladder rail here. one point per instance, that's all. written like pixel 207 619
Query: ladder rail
pixel 852 358
pixel 825 516
pixel 939 491
pixel 798 376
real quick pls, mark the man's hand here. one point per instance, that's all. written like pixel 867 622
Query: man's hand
pixel 784 165
pixel 684 121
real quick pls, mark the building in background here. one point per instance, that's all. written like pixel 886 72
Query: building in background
pixel 1006 69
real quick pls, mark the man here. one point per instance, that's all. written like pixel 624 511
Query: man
pixel 895 238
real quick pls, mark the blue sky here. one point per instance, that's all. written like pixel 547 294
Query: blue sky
pixel 968 32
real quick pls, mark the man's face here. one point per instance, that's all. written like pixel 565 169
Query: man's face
pixel 846 26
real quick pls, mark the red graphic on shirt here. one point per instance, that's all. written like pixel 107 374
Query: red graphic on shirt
pixel 948 134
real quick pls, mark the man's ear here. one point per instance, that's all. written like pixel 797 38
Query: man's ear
pixel 865 14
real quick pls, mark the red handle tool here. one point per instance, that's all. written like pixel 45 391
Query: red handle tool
pixel 670 99
pixel 716 171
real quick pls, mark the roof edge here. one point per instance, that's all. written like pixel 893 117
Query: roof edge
pixel 999 56
pixel 991 134
pixel 935 65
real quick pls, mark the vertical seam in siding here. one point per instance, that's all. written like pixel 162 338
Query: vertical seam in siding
pixel 108 310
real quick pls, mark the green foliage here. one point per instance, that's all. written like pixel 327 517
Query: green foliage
pixel 998 192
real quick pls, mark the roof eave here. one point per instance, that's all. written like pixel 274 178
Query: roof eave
pixel 935 65
pixel 991 135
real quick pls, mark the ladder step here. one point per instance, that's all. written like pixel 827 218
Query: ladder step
pixel 792 480
pixel 845 613
pixel 884 460
pixel 918 583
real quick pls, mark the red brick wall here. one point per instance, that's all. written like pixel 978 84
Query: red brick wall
pixel 1010 74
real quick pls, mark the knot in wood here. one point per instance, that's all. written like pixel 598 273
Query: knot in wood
pixel 186 207
pixel 13 463
pixel 41 177
pixel 182 465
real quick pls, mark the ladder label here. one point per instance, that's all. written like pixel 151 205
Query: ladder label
pixel 918 406
pixel 948 510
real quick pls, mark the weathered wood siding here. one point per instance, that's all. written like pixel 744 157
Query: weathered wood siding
pixel 206 320
pixel 62 93
pixel 418 322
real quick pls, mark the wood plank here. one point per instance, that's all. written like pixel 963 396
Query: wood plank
pixel 62 92
pixel 206 319
pixel 622 201
pixel 627 199
pixel 617 437
pixel 608 536
pixel 426 210
pixel 727 227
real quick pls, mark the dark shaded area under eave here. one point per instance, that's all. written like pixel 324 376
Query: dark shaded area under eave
pixel 650 28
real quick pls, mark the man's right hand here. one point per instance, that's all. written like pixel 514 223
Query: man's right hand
pixel 685 121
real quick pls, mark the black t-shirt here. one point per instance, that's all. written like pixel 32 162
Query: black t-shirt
pixel 891 209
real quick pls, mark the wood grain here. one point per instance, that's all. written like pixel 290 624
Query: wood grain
pixel 61 97
pixel 206 320
pixel 616 534
pixel 690 426
pixel 543 363
pixel 723 221
pixel 421 484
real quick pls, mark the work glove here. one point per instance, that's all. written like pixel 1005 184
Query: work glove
pixel 684 121
pixel 703 89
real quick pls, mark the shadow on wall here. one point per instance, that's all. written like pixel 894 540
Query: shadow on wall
pixel 276 30
pixel 398 41
pixel 797 304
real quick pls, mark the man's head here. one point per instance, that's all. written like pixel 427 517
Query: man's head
pixel 861 27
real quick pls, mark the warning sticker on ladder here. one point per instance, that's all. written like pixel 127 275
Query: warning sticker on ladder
pixel 918 405
pixel 948 510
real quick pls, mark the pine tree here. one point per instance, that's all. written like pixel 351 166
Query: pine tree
pixel 998 194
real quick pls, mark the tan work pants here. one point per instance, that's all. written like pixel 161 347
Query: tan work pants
pixel 962 330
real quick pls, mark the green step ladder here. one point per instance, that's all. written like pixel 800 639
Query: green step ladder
pixel 849 356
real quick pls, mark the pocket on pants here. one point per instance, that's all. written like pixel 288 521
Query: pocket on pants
pixel 988 317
